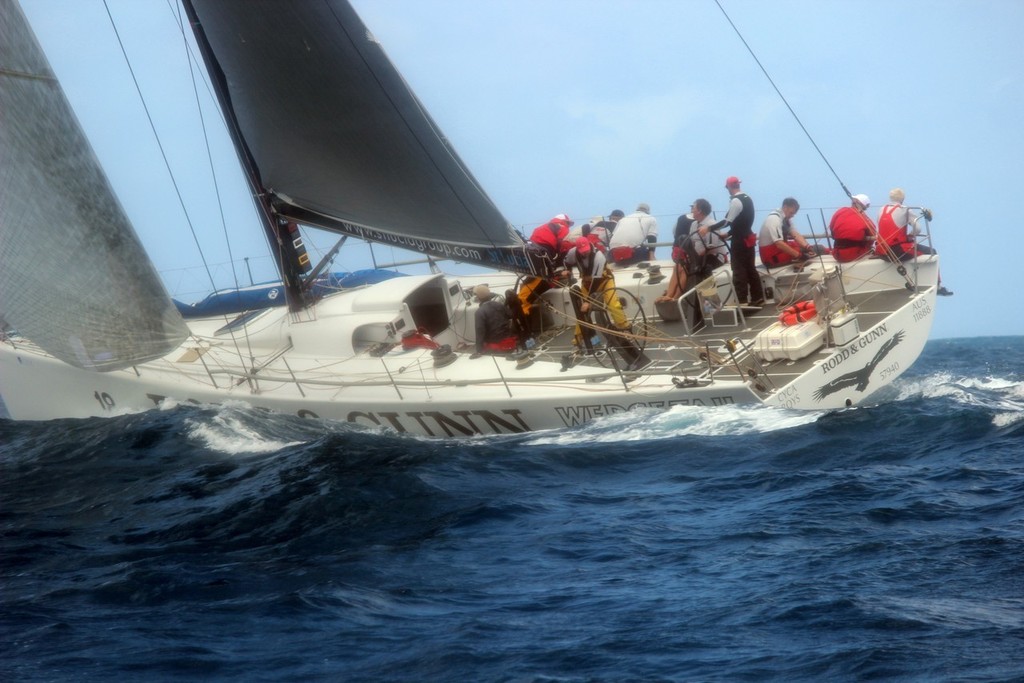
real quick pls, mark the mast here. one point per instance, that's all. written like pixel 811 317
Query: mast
pixel 282 234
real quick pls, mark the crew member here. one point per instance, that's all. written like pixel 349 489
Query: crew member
pixel 634 236
pixel 607 226
pixel 596 292
pixel 780 242
pixel 894 219
pixel 852 230
pixel 898 231
pixel 707 243
pixel 493 323
pixel 545 249
pixel 746 279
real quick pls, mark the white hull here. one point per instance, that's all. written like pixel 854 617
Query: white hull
pixel 323 365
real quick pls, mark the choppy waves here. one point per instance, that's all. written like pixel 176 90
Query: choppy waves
pixel 220 542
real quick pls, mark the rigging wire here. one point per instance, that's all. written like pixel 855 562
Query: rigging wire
pixel 159 144
pixel 783 98
pixel 206 141
pixel 889 255
pixel 167 165
pixel 189 57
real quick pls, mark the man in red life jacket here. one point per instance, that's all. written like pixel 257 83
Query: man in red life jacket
pixel 546 248
pixel 852 230
pixel 897 232
pixel 893 236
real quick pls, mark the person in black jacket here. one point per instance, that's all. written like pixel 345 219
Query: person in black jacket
pixel 493 322
pixel 740 218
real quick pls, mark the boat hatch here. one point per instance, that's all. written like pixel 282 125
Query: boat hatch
pixel 240 322
pixel 192 354
pixel 429 308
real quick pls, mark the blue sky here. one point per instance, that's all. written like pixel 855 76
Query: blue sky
pixel 584 106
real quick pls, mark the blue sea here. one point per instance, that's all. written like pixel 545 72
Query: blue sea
pixel 725 544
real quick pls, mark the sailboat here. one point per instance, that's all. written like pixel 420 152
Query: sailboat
pixel 88 328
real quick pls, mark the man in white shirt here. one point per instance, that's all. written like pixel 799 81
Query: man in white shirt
pixel 633 236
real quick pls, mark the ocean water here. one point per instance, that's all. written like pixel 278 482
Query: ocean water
pixel 200 543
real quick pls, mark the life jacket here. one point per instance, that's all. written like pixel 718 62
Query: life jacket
pixel 629 255
pixel 800 312
pixel 852 232
pixel 891 235
pixel 592 265
pixel 551 236
pixel 418 339
pixel 506 345
pixel 742 224
pixel 597 242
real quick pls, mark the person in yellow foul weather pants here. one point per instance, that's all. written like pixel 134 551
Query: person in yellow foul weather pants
pixel 597 291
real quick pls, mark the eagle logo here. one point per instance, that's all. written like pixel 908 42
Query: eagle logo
pixel 858 379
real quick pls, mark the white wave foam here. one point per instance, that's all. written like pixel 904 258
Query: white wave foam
pixel 956 612
pixel 993 392
pixel 227 432
pixel 939 385
pixel 1008 419
pixel 943 384
pixel 1004 397
pixel 680 421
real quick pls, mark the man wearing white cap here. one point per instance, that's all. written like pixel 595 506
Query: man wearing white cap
pixel 853 232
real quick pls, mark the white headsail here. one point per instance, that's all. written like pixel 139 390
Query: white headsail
pixel 74 278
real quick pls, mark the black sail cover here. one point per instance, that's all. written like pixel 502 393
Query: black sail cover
pixel 335 135
pixel 74 277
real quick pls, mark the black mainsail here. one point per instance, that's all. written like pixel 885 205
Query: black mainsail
pixel 333 137
pixel 74 277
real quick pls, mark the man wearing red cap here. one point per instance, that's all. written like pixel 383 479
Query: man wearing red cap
pixel 597 291
pixel 740 216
